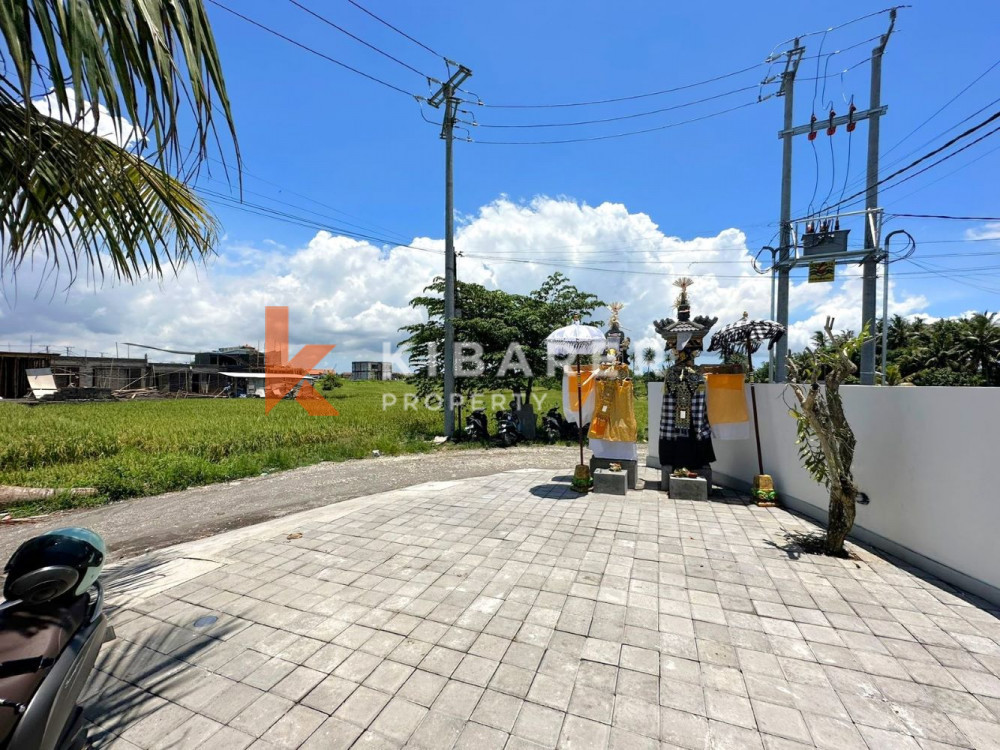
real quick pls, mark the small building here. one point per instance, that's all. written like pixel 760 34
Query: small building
pixel 14 375
pixel 371 370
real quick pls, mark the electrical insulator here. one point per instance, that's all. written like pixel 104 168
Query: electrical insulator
pixel 810 228
pixel 831 128
pixel 812 128
pixel 850 119
pixel 836 224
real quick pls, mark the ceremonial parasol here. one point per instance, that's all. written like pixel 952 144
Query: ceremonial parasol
pixel 576 340
pixel 746 335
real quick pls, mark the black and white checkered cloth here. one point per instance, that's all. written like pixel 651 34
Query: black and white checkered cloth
pixel 735 336
pixel 699 426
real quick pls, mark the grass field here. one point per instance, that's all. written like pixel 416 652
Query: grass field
pixel 129 449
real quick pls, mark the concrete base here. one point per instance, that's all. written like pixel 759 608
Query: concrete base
pixel 704 473
pixel 610 482
pixel 688 489
pixel 631 468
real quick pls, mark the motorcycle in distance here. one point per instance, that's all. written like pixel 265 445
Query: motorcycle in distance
pixel 556 427
pixel 508 428
pixel 477 426
pixel 52 626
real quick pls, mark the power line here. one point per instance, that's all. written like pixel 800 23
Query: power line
pixel 307 48
pixel 927 156
pixel 944 106
pixel 944 176
pixel 356 38
pixel 620 117
pixel 632 97
pixel 865 17
pixel 942 216
pixel 367 228
pixel 398 31
pixel 617 135
pixel 673 90
pixel 860 180
pixel 290 218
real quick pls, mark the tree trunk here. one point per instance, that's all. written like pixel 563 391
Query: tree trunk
pixel 842 510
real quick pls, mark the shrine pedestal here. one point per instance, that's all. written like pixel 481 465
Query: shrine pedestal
pixel 703 473
pixel 682 488
pixel 610 482
pixel 629 467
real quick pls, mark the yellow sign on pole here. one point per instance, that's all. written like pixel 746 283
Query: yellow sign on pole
pixel 821 272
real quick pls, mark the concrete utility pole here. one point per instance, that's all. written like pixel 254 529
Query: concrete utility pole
pixel 446 95
pixel 787 90
pixel 868 287
pixel 786 256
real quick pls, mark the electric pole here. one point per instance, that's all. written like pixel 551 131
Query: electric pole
pixel 446 95
pixel 787 249
pixel 868 287
pixel 787 90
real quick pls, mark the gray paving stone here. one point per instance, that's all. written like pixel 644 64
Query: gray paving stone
pixel 476 736
pixel 781 721
pixel 476 613
pixel 583 734
pixel 458 699
pixel 437 730
pixel 399 719
pixel 333 734
pixel 497 710
pixel 262 714
pixel 363 705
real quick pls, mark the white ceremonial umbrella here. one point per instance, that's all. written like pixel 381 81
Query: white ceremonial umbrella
pixel 576 340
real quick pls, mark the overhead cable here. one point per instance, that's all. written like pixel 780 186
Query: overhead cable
pixel 307 48
pixel 925 157
pixel 620 117
pixel 381 20
pixel 356 38
pixel 618 135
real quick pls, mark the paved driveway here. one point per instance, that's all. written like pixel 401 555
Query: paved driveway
pixel 506 611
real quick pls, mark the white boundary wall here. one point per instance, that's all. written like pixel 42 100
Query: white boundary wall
pixel 925 458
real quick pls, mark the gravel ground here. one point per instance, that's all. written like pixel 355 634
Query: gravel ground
pixel 135 526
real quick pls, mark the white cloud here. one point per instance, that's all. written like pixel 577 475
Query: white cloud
pixel 355 295
pixel 117 130
pixel 988 231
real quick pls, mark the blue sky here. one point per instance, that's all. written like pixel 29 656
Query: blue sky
pixel 312 133
pixel 364 148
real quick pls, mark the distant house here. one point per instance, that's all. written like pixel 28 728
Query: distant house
pixel 371 371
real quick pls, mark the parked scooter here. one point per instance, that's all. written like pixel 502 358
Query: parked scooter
pixel 477 426
pixel 553 424
pixel 557 427
pixel 52 626
pixel 508 429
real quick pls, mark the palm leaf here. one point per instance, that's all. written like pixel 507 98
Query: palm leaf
pixel 69 195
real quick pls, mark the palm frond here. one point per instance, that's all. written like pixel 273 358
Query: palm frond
pixel 70 196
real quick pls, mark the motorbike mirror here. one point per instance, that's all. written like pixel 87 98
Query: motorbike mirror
pixel 42 585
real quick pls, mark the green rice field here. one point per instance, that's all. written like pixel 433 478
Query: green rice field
pixel 129 449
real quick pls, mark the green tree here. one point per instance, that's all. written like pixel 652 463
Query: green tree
pixel 977 344
pixel 825 438
pixel 649 357
pixel 494 320
pixel 69 195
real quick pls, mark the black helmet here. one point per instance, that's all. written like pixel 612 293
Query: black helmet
pixel 57 563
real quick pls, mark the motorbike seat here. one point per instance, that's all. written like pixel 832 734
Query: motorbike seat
pixel 31 638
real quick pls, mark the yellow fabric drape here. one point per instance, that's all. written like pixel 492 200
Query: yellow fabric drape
pixel 571 402
pixel 727 407
pixel 614 418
